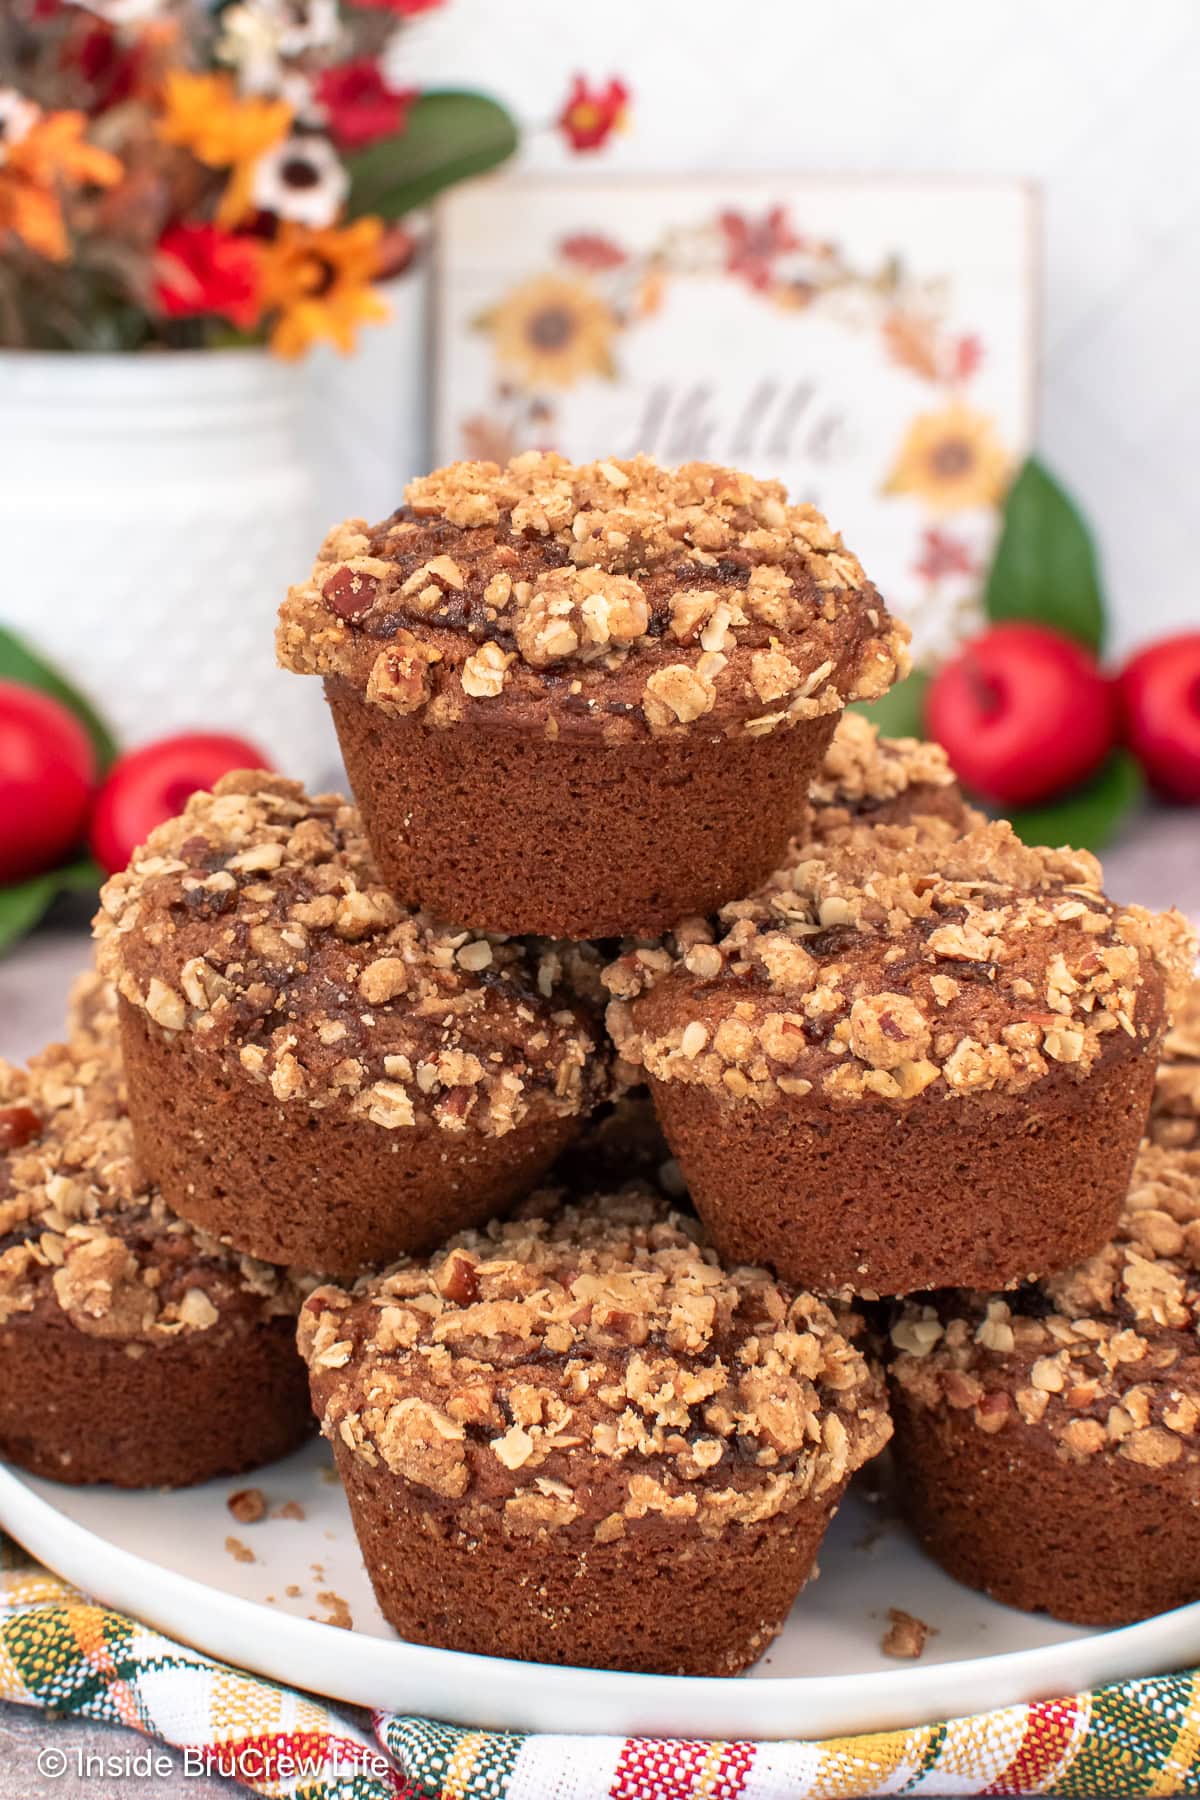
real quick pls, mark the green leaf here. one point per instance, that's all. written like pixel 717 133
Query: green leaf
pixel 448 137
pixel 19 663
pixel 1087 818
pixel 22 905
pixel 1045 566
pixel 899 713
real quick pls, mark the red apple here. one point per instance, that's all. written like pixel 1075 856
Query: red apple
pixel 47 770
pixel 1159 692
pixel 1023 712
pixel 154 783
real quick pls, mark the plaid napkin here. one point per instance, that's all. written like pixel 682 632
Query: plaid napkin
pixel 59 1650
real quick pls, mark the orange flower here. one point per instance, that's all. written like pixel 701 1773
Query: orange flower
pixel 319 284
pixel 51 157
pixel 206 115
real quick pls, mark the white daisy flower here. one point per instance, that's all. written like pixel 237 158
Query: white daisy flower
pixel 301 179
pixel 259 36
pixel 17 114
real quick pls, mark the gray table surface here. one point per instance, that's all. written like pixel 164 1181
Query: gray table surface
pixel 1157 862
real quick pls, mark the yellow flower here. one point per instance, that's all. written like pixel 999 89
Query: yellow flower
pixel 553 330
pixel 952 460
pixel 319 284
pixel 50 157
pixel 206 115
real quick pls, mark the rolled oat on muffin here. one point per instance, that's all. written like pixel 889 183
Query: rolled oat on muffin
pixel 316 1073
pixel 584 700
pixel 869 779
pixel 134 1348
pixel 1175 1109
pixel 569 1437
pixel 909 1060
pixel 1048 1440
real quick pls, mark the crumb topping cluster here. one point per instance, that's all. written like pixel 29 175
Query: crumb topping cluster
pixel 592 1366
pixel 82 1234
pixel 1175 1113
pixel 863 770
pixel 611 598
pixel 892 961
pixel 256 923
pixel 1105 1356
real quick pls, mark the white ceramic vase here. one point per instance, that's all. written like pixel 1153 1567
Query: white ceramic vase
pixel 153 510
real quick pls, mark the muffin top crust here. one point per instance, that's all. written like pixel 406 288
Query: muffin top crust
pixel 892 961
pixel 601 601
pixel 1175 1111
pixel 869 779
pixel 1104 1357
pixel 255 925
pixel 591 1367
pixel 84 1239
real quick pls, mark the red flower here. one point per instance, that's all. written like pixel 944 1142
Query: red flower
pixel 591 251
pixel 200 269
pixel 942 554
pixel 591 115
pixel 360 105
pixel 751 244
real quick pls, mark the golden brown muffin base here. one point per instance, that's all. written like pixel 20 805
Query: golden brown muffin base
pixel 886 1198
pixel 1100 1542
pixel 82 1409
pixel 662 1600
pixel 514 832
pixel 319 1189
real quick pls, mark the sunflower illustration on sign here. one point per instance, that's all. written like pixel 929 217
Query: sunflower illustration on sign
pixel 950 460
pixel 552 331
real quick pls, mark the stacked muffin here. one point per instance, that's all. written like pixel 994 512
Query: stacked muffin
pixel 644 1015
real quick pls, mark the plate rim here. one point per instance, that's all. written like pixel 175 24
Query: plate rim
pixel 414 1679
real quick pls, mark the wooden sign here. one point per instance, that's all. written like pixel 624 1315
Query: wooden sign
pixel 868 341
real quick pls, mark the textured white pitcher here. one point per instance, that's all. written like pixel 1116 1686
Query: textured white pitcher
pixel 153 510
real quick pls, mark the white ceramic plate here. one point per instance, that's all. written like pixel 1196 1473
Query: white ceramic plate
pixel 165 1558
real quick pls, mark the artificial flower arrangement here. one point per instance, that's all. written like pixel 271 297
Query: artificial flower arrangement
pixel 192 173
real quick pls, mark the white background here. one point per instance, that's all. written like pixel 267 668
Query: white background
pixel 1096 100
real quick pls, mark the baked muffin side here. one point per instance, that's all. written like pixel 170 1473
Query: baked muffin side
pixel 133 1348
pixel 586 699
pixel 909 1060
pixel 1048 1440
pixel 546 1429
pixel 316 1072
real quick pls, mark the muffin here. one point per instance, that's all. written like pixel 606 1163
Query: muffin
pixel 586 700
pixel 133 1348
pixel 908 1061
pixel 1175 1109
pixel 317 1074
pixel 1048 1441
pixel 551 1429
pixel 866 779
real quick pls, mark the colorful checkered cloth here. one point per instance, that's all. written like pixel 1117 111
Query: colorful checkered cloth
pixel 59 1650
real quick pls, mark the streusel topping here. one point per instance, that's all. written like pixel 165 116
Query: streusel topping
pixel 1105 1356
pixel 1175 1113
pixel 256 923
pixel 861 769
pixel 606 599
pixel 82 1233
pixel 891 961
pixel 590 1366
